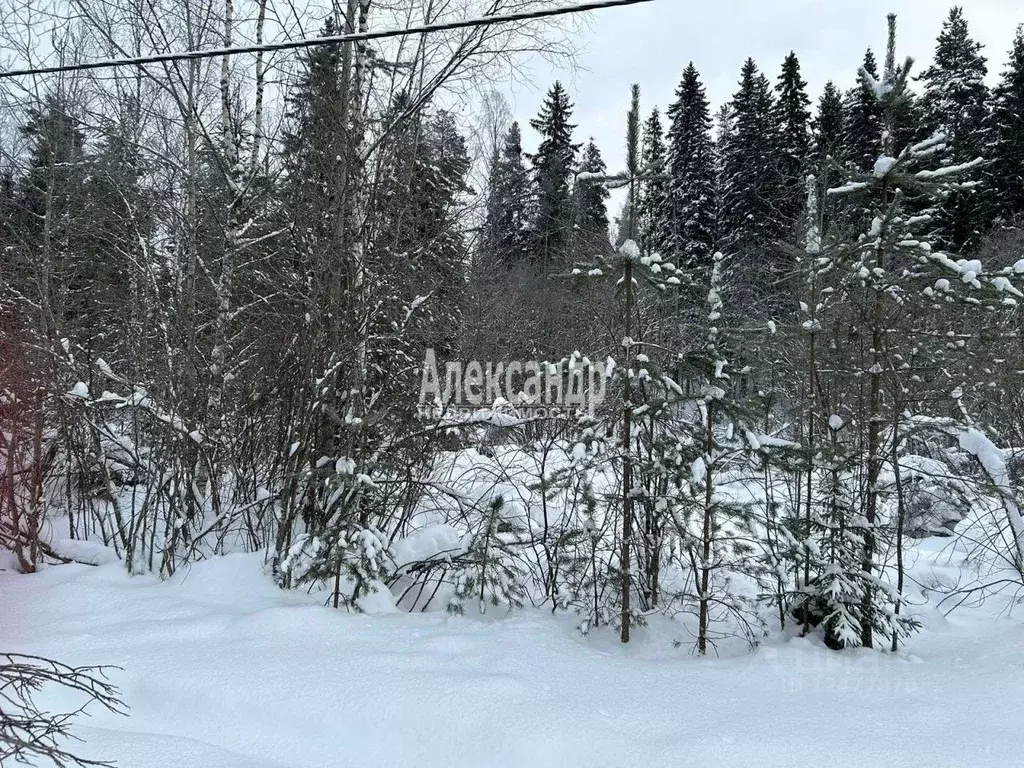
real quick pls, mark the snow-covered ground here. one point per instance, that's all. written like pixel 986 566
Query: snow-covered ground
pixel 222 670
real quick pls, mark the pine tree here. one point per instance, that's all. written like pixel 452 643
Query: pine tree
pixel 590 207
pixel 552 170
pixel 491 573
pixel 505 226
pixel 891 285
pixel 792 118
pixel 653 202
pixel 633 167
pixel 955 104
pixel 749 225
pixel 691 205
pixel 1008 136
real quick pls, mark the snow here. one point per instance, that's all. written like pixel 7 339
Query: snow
pixel 855 186
pixel 426 543
pixel 993 461
pixel 630 250
pixel 416 303
pixel 699 470
pixel 969 269
pixel 883 165
pixel 986 452
pixel 769 441
pixel 222 670
pixel 948 170
pixel 86 552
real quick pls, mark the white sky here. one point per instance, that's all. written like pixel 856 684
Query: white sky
pixel 651 45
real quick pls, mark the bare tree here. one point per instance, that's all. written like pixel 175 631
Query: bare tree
pixel 28 733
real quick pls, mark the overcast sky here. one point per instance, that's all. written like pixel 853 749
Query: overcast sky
pixel 651 44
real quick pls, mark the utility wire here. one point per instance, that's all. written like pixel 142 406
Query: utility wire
pixel 541 13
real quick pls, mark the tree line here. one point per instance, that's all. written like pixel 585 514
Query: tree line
pixel 733 179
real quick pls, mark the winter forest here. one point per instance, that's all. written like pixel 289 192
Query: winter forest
pixel 291 339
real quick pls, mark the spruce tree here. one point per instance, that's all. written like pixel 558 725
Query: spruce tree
pixel 863 117
pixel 1008 137
pixel 552 169
pixel 52 202
pixel 505 226
pixel 792 118
pixel 590 207
pixel 690 207
pixel 827 128
pixel 313 140
pixel 56 157
pixel 117 213
pixel 827 148
pixel 955 104
pixel 418 249
pixel 653 203
pixel 749 225
pixel 954 88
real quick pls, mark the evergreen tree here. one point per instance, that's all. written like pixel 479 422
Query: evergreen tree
pixel 891 285
pixel 552 169
pixel 622 223
pixel 792 118
pixel 827 148
pixel 653 215
pixel 8 217
pixel 955 104
pixel 117 213
pixel 748 223
pixel 56 162
pixel 590 207
pixel 827 128
pixel 690 206
pixel 490 573
pixel 1008 136
pixel 313 140
pixel 418 249
pixel 863 117
pixel 505 226
pixel 52 204
pixel 954 88
pixel 862 139
pixel 633 169
pixel 313 110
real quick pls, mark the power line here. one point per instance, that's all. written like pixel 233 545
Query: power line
pixel 541 13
